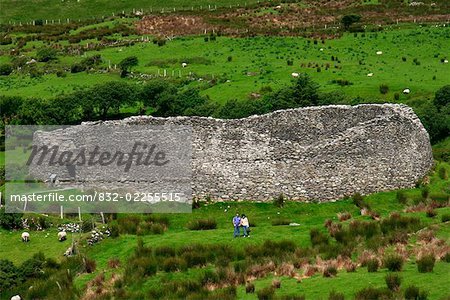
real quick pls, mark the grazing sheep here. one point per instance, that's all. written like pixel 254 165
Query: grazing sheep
pixel 25 237
pixel 379 52
pixel 370 75
pixel 295 75
pixel 184 65
pixel 62 236
pixel 406 91
pixel 16 297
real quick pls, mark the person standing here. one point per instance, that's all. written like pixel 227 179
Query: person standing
pixel 237 224
pixel 245 225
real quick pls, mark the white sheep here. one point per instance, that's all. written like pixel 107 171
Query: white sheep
pixel 25 237
pixel 184 65
pixel 379 52
pixel 406 91
pixel 370 75
pixel 62 236
pixel 294 75
pixel 16 297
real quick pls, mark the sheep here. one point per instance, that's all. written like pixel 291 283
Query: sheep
pixel 25 237
pixel 406 91
pixel 294 75
pixel 16 297
pixel 379 52
pixel 370 75
pixel 62 236
pixel 184 65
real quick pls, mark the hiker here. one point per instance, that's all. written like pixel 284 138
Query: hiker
pixel 237 224
pixel 245 225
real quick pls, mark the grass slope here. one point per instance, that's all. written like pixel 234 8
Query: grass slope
pixel 28 10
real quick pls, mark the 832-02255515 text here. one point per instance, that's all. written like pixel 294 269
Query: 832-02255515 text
pixel 96 196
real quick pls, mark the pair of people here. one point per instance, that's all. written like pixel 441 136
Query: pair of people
pixel 241 221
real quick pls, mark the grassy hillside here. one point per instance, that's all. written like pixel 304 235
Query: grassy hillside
pixel 29 10
pixel 233 68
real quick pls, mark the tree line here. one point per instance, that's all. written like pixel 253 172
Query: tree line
pixel 165 98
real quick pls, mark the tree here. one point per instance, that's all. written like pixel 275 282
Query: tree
pixel 151 92
pixel 110 95
pixel 348 20
pixel 126 64
pixel 442 97
pixel 46 54
pixel 5 69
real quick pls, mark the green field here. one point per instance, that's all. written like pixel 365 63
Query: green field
pixel 262 61
pixel 261 215
pixel 29 10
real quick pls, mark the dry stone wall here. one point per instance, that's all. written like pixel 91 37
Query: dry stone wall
pixel 321 153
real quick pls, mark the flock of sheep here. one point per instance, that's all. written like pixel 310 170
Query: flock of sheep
pixel 62 236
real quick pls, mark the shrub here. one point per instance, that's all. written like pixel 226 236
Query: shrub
pixel 329 271
pixel 396 222
pixel 364 229
pixel 445 218
pixel 61 73
pixel 372 265
pixel 266 293
pixel 413 293
pixel 393 281
pixel 431 213
pixel 46 54
pixel 279 201
pixel 280 221
pixel 442 173
pixel 397 96
pixel 371 293
pixel 6 69
pixel 164 251
pixel 317 237
pixel 401 197
pixel 249 288
pixel 344 216
pixel 336 296
pixel 157 228
pixel 174 264
pixel 276 283
pixel 114 263
pixel 358 200
pixel 446 257
pixel 425 192
pixel 202 224
pixel 229 58
pixel 10 221
pixel 384 89
pixel 194 259
pixel 426 263
pixel 393 263
pixel 77 68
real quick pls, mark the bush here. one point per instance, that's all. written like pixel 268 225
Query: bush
pixel 443 173
pixel 157 228
pixel 249 288
pixel 372 265
pixel 276 283
pixel 46 54
pixel 317 237
pixel 164 251
pixel 445 218
pixel 266 293
pixel 202 224
pixel 397 96
pixel 114 263
pixel 393 281
pixel 280 221
pixel 174 264
pixel 425 192
pixel 358 200
pixel 6 69
pixel 431 213
pixel 330 271
pixel 401 197
pixel 371 293
pixel 426 263
pixel 446 257
pixel 393 263
pixel 384 89
pixel 279 201
pixel 413 293
pixel 336 296
pixel 344 216
pixel 10 221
